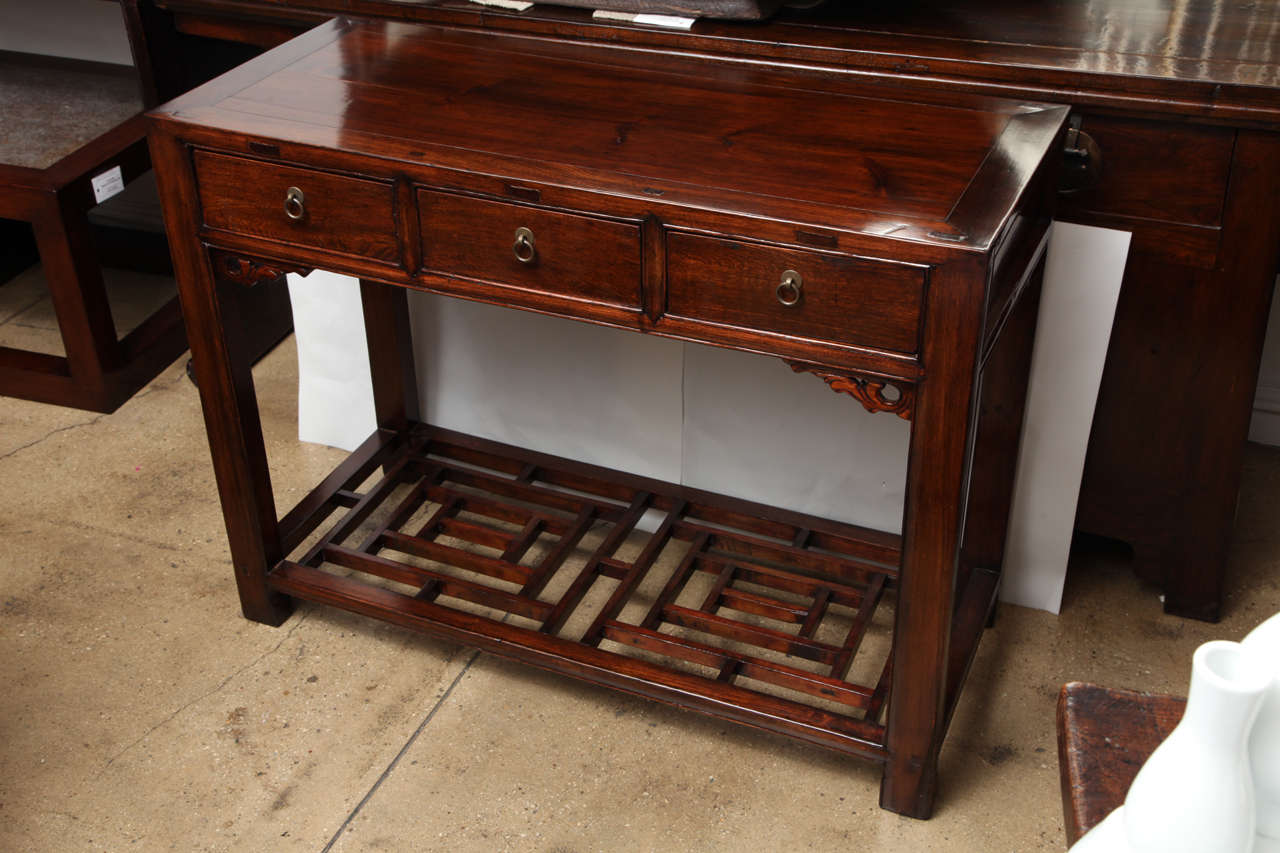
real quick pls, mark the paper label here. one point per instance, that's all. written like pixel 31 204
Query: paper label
pixel 109 183
pixel 653 20
pixel 515 5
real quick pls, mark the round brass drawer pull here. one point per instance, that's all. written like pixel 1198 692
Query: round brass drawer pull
pixel 524 247
pixel 295 203
pixel 789 288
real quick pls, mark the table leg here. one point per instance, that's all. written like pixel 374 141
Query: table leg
pixel 932 525
pixel 222 365
pixel 391 365
pixel 77 291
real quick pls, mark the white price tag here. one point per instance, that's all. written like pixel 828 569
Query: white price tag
pixel 109 183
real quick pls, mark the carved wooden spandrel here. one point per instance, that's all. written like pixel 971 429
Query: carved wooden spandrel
pixel 249 272
pixel 876 394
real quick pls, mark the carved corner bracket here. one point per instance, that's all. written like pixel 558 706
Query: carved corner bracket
pixel 874 393
pixel 248 272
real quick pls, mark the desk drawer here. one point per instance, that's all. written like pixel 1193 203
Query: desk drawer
pixel 841 299
pixel 531 248
pixel 1157 170
pixel 352 216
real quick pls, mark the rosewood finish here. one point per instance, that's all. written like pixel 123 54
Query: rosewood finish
pixel 1183 102
pixel 897 254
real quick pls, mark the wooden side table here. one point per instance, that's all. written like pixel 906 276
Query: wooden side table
pixel 892 248
pixel 68 123
pixel 1105 735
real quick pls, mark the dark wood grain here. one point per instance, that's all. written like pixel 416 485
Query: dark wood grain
pixel 916 227
pixel 1206 59
pixel 571 255
pixel 1144 160
pixel 843 299
pixel 1105 735
pixel 348 215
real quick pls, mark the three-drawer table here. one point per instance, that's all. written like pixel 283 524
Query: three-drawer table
pixel 889 246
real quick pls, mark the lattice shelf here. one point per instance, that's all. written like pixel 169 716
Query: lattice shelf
pixel 760 615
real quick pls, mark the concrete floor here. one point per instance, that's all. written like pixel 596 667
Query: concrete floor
pixel 141 712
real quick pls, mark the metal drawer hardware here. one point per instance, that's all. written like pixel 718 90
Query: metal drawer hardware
pixel 294 203
pixel 789 288
pixel 524 248
pixel 1081 160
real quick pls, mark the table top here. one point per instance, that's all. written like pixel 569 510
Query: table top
pixel 708 135
pixel 1105 735
pixel 1213 59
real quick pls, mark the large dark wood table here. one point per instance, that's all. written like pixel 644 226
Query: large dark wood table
pixel 891 246
pixel 1183 101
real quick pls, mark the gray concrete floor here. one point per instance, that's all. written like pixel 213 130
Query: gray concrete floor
pixel 141 712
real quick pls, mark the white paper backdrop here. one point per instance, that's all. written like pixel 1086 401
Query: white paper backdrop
pixel 732 422
pixel 1081 285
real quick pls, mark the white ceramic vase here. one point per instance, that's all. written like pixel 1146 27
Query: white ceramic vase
pixel 1264 743
pixel 1107 837
pixel 1195 793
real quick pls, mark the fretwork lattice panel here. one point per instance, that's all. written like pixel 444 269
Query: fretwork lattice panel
pixel 682 580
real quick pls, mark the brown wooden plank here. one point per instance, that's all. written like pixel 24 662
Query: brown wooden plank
pixel 813 618
pixel 521 543
pixel 634 576
pixel 778 641
pixel 403 542
pixel 711 603
pixel 783 580
pixel 408 505
pixel 442 584
pixel 790 677
pixel 308 512
pixel 551 563
pixel 676 582
pixel 840 666
pixel 479 534
pixel 591 570
pixel 830 565
pixel 760 605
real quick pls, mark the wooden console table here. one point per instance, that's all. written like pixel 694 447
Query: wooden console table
pixel 1183 101
pixel 891 247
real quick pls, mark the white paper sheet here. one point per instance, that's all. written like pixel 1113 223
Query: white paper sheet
pixel 335 397
pixel 548 384
pixel 1081 286
pixel 756 429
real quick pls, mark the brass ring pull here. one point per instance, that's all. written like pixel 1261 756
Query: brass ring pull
pixel 294 203
pixel 524 247
pixel 789 288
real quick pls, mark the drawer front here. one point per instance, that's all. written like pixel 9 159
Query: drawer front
pixel 845 300
pixel 532 248
pixel 352 216
pixel 1157 170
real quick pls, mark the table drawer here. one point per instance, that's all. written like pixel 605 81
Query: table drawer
pixel 353 216
pixel 1157 170
pixel 532 248
pixel 841 299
